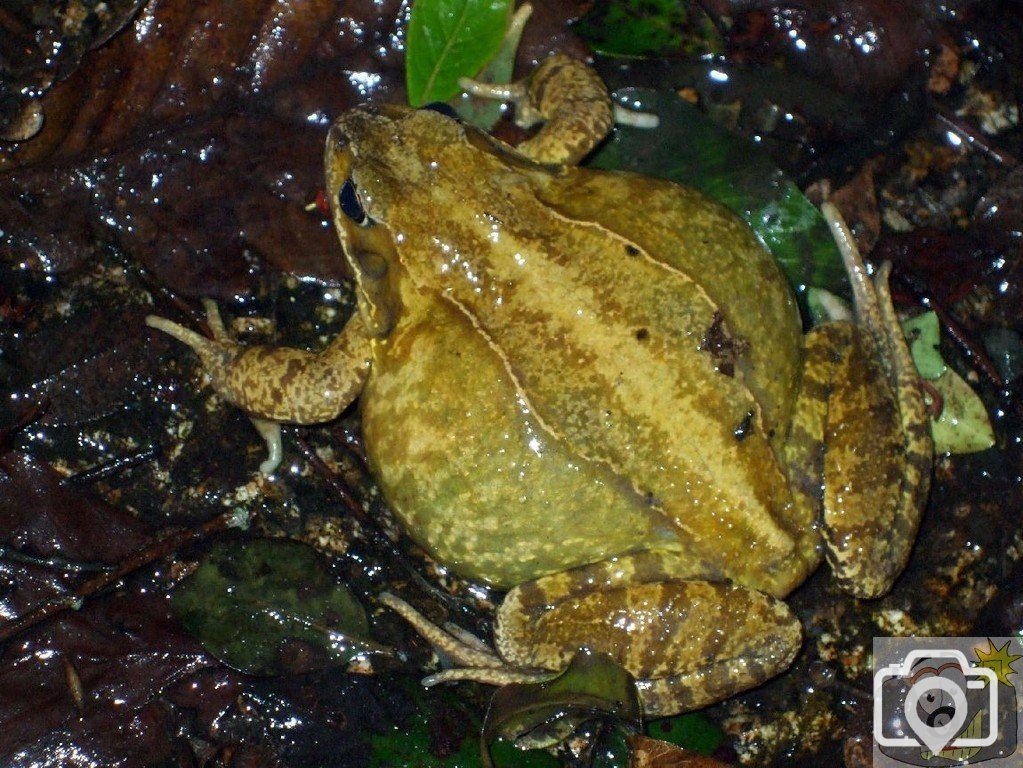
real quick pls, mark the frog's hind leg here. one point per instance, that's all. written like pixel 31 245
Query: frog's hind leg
pixel 687 641
pixel 279 384
pixel 860 448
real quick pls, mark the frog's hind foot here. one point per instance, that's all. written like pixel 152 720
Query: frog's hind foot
pixel 216 355
pixel 473 660
pixel 877 467
pixel 687 642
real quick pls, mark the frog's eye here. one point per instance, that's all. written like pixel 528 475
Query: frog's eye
pixel 444 109
pixel 348 198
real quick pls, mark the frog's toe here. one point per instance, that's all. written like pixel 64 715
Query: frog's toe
pixel 216 355
pixel 270 431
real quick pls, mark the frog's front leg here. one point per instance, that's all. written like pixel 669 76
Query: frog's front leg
pixel 279 384
pixel 565 94
pixel 860 449
pixel 688 642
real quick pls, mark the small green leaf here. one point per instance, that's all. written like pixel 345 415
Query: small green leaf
pixel 442 714
pixel 534 714
pixel 483 112
pixel 648 28
pixel 923 333
pixel 248 599
pixel 690 149
pixel 963 426
pixel 693 730
pixel 449 39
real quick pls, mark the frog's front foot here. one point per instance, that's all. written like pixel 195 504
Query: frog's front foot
pixel 277 385
pixel 566 95
pixel 688 642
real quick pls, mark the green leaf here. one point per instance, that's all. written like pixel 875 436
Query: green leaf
pixel 535 714
pixel 963 425
pixel 648 28
pixel 693 730
pixel 449 39
pixel 690 149
pixel 413 742
pixel 923 333
pixel 248 599
pixel 483 112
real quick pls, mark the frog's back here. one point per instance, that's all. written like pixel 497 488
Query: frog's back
pixel 620 351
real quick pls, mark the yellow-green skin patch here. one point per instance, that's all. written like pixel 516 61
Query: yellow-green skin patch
pixel 545 399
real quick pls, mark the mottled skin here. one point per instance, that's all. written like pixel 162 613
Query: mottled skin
pixel 594 388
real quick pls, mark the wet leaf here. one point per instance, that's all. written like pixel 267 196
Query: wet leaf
pixel 649 28
pixel 120 653
pixel 653 753
pixel 999 213
pixel 449 39
pixel 41 43
pixel 1005 347
pixel 867 45
pixel 88 681
pixel 43 515
pixel 481 112
pixel 923 333
pixel 951 263
pixel 175 203
pixel 593 686
pixel 183 60
pixel 248 602
pixel 690 149
pixel 963 425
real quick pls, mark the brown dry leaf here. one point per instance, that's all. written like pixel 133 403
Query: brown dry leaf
pixel 179 59
pixel 855 45
pixel 192 141
pixel 653 753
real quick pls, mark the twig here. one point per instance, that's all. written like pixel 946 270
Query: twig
pixel 113 466
pixel 975 140
pixel 154 551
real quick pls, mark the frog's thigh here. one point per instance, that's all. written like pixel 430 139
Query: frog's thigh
pixel 688 642
pixel 847 455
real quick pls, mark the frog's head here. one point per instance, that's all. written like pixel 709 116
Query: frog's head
pixel 385 167
pixel 397 176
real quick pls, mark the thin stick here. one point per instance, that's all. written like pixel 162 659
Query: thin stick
pixel 160 548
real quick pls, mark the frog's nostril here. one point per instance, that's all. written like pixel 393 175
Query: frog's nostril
pixel 350 203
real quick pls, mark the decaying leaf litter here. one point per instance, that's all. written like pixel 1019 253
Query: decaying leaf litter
pixel 163 170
